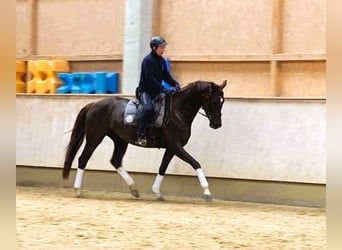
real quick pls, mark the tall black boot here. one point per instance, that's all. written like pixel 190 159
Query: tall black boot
pixel 141 138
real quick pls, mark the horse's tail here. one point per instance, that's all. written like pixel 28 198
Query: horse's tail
pixel 76 139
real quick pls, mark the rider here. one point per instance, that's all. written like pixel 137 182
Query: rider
pixel 153 71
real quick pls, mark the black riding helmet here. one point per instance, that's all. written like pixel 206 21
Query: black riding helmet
pixel 157 41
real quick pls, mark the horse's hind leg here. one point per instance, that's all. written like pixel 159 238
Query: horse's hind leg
pixel 90 146
pixel 120 147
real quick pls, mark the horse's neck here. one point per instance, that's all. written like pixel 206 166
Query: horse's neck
pixel 189 104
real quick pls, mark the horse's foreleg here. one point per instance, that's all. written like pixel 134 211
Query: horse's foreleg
pixel 185 156
pixel 156 186
pixel 160 177
pixel 204 184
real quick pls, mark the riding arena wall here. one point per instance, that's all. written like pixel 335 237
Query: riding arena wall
pixel 271 147
pixel 262 141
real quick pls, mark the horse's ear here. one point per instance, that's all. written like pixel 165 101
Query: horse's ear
pixel 223 84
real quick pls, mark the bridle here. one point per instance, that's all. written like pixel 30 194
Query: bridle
pixel 206 107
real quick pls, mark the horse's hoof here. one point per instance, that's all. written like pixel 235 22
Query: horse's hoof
pixel 207 197
pixel 135 193
pixel 160 198
pixel 78 192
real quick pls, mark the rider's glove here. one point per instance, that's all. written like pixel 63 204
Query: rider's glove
pixel 170 91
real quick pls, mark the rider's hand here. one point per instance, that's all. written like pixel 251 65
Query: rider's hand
pixel 170 91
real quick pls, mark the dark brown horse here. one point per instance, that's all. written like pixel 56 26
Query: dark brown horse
pixel 106 118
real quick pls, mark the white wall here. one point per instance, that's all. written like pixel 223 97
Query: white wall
pixel 281 140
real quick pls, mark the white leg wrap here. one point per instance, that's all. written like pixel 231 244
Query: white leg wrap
pixel 79 178
pixel 157 183
pixel 203 181
pixel 128 179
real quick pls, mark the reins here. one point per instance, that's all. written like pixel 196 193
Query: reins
pixel 203 114
pixel 204 108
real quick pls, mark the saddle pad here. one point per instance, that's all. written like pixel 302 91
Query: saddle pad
pixel 134 111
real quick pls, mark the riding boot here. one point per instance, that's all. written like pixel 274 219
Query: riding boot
pixel 141 139
pixel 145 119
pixel 141 134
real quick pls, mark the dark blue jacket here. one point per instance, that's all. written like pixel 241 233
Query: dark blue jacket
pixel 153 71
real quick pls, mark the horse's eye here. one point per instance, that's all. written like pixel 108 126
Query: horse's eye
pixel 219 100
pixel 215 102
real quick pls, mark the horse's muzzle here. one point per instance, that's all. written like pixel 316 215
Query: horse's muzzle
pixel 215 125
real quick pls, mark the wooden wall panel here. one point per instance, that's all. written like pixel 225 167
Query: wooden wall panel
pixel 209 40
pixel 245 79
pixel 22 28
pixel 304 26
pixel 81 66
pixel 216 27
pixel 307 79
pixel 80 27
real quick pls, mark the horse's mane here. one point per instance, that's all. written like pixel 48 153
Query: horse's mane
pixel 200 86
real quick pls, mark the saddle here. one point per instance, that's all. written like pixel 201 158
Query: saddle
pixel 162 109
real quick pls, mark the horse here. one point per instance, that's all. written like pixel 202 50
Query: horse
pixel 106 118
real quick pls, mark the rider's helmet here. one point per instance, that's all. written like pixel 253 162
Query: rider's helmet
pixel 157 41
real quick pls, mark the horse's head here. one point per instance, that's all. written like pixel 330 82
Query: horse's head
pixel 212 104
